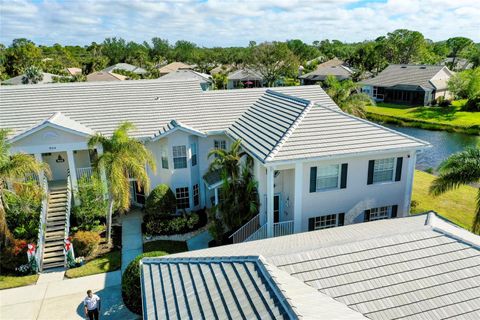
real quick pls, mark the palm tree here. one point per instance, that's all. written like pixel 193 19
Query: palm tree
pixel 13 168
pixel 124 158
pixel 239 188
pixel 347 96
pixel 32 75
pixel 460 169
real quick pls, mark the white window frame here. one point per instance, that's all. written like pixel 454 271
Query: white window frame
pixel 193 147
pixel 179 153
pixel 319 178
pixel 164 157
pixel 381 163
pixel 182 194
pixel 220 144
pixel 328 221
pixel 196 194
pixel 380 213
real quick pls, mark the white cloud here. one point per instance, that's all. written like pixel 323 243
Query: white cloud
pixel 226 22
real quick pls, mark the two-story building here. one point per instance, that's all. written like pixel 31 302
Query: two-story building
pixel 316 166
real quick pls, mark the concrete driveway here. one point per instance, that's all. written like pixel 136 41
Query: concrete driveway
pixel 64 299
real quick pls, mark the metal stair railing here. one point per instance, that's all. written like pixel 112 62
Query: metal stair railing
pixel 42 226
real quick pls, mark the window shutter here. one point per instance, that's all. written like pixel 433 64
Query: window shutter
pixel 366 216
pixel 313 179
pixel 398 172
pixel 394 211
pixel 371 164
pixel 341 219
pixel 343 178
pixel 311 224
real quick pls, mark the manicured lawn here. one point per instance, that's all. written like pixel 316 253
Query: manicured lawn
pixel 109 262
pixel 17 281
pixel 166 246
pixel 444 118
pixel 456 205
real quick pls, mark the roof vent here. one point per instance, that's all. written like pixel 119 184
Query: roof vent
pixel 403 67
pixel 156 98
pixel 423 67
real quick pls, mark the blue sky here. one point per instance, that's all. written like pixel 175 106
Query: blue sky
pixel 229 23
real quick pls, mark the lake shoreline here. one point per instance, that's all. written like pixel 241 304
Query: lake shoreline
pixel 410 123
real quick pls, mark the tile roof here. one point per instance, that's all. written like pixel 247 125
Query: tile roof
pixel 419 267
pixel 46 78
pixel 245 74
pixel 411 75
pixel 279 127
pixel 149 104
pixel 186 74
pixel 341 72
pixel 174 66
pixel 216 288
pixel 126 67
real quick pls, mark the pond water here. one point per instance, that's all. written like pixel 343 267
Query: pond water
pixel 443 144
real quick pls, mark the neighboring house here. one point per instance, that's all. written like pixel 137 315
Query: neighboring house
pixel 244 78
pixel 74 71
pixel 409 84
pixel 172 67
pixel 105 76
pixel 460 64
pixel 311 160
pixel 333 67
pixel 125 67
pixel 188 75
pixel 47 78
pixel 226 68
pixel 419 267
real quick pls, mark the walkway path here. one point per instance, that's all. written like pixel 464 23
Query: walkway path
pixel 132 242
pixel 200 241
pixel 64 299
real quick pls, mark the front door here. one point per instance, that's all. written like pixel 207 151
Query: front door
pixel 276 208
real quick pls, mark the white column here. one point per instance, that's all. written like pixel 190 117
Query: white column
pixel 41 175
pixel 297 212
pixel 409 183
pixel 73 174
pixel 270 194
pixel 216 196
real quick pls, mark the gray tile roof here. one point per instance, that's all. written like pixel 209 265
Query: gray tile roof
pixel 340 72
pixel 18 80
pixel 149 104
pixel 186 74
pixel 245 74
pixel 406 75
pixel 419 267
pixel 214 288
pixel 126 67
pixel 279 127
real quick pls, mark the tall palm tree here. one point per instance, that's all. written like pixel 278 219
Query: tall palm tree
pixel 347 96
pixel 460 169
pixel 123 158
pixel 239 188
pixel 12 168
pixel 33 75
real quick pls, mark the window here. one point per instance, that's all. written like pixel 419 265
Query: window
pixel 164 155
pixel 327 177
pixel 383 170
pixel 179 157
pixel 196 198
pixel 183 198
pixel 325 222
pixel 379 213
pixel 194 154
pixel 220 144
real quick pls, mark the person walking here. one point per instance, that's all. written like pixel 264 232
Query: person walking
pixel 91 305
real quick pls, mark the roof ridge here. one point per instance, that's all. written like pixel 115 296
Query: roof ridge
pixel 293 126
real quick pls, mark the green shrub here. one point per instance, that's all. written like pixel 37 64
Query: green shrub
pixel 85 243
pixel 167 225
pixel 92 206
pixel 22 208
pixel 13 256
pixel 161 201
pixel 131 290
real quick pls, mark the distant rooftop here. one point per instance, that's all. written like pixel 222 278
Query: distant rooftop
pixel 125 67
pixel 419 267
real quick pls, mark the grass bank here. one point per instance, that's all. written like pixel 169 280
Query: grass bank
pixel 457 205
pixel 7 282
pixel 450 118
pixel 108 262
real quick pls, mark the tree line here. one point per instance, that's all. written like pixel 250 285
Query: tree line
pixel 271 59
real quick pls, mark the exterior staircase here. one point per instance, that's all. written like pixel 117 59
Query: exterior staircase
pixel 56 224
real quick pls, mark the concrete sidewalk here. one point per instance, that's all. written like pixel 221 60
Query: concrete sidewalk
pixel 132 241
pixel 64 299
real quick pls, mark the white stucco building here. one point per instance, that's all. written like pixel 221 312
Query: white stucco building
pixel 316 166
